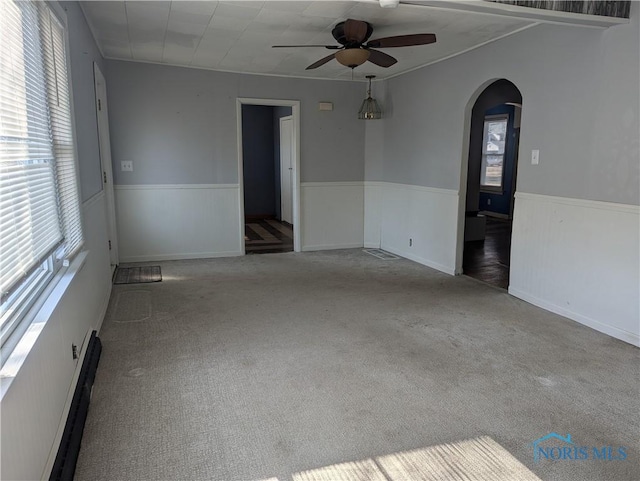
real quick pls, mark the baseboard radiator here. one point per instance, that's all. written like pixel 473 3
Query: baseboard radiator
pixel 65 463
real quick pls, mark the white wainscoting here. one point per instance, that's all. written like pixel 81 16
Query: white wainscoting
pixel 579 259
pixel 164 222
pixel 397 214
pixel 372 213
pixel 332 215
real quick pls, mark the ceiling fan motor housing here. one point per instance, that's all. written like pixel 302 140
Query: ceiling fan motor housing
pixel 340 36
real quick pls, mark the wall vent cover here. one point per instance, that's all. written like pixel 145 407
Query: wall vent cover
pixel 380 254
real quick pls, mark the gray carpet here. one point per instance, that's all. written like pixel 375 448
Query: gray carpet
pixel 270 367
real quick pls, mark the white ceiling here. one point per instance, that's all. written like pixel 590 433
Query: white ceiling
pixel 237 35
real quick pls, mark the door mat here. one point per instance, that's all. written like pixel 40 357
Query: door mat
pixel 138 275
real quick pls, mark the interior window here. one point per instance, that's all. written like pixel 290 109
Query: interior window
pixel 40 221
pixel 493 152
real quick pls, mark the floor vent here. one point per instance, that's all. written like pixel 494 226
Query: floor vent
pixel 65 464
pixel 380 254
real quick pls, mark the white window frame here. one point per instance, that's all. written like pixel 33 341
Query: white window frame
pixel 493 189
pixel 22 307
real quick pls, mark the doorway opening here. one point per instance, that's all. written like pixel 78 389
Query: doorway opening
pixel 268 175
pixel 491 168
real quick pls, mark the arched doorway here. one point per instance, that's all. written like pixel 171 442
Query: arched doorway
pixel 491 182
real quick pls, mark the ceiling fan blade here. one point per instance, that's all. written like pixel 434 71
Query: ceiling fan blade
pixel 380 58
pixel 320 62
pixel 355 30
pixel 403 40
pixel 330 47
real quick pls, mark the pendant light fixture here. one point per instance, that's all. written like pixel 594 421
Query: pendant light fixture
pixel 369 110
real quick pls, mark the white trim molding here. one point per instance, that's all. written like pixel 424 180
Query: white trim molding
pixel 579 258
pixel 298 219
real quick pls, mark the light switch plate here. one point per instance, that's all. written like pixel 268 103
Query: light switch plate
pixel 535 157
pixel 126 166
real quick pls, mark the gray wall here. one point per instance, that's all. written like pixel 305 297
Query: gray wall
pixel 257 160
pixel 83 53
pixel 580 109
pixel 178 125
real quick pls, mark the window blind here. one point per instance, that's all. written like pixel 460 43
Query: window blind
pixel 55 66
pixel 39 209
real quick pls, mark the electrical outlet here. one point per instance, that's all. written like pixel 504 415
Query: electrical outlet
pixel 410 242
pixel 126 166
pixel 74 351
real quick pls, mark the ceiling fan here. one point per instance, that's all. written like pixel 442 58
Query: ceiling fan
pixel 353 51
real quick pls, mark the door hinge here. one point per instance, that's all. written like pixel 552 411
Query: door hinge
pixel 104 176
pixel 109 244
pixel 99 104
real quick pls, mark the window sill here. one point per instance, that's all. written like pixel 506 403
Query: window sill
pixel 39 314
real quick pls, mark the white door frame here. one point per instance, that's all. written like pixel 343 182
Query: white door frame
pixel 281 119
pixel 295 162
pixel 105 162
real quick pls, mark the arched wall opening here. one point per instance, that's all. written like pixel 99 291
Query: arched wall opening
pixel 488 181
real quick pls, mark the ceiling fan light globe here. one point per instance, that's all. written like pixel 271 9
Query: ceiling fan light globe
pixel 352 57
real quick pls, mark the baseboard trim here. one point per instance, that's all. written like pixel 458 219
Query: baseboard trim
pixel 626 336
pixel 328 247
pixel 178 257
pixel 372 245
pixel 66 456
pixel 420 260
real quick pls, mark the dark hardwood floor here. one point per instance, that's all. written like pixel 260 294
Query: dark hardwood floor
pixel 488 260
pixel 267 236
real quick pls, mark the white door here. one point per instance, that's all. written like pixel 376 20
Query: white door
pixel 105 160
pixel 286 169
